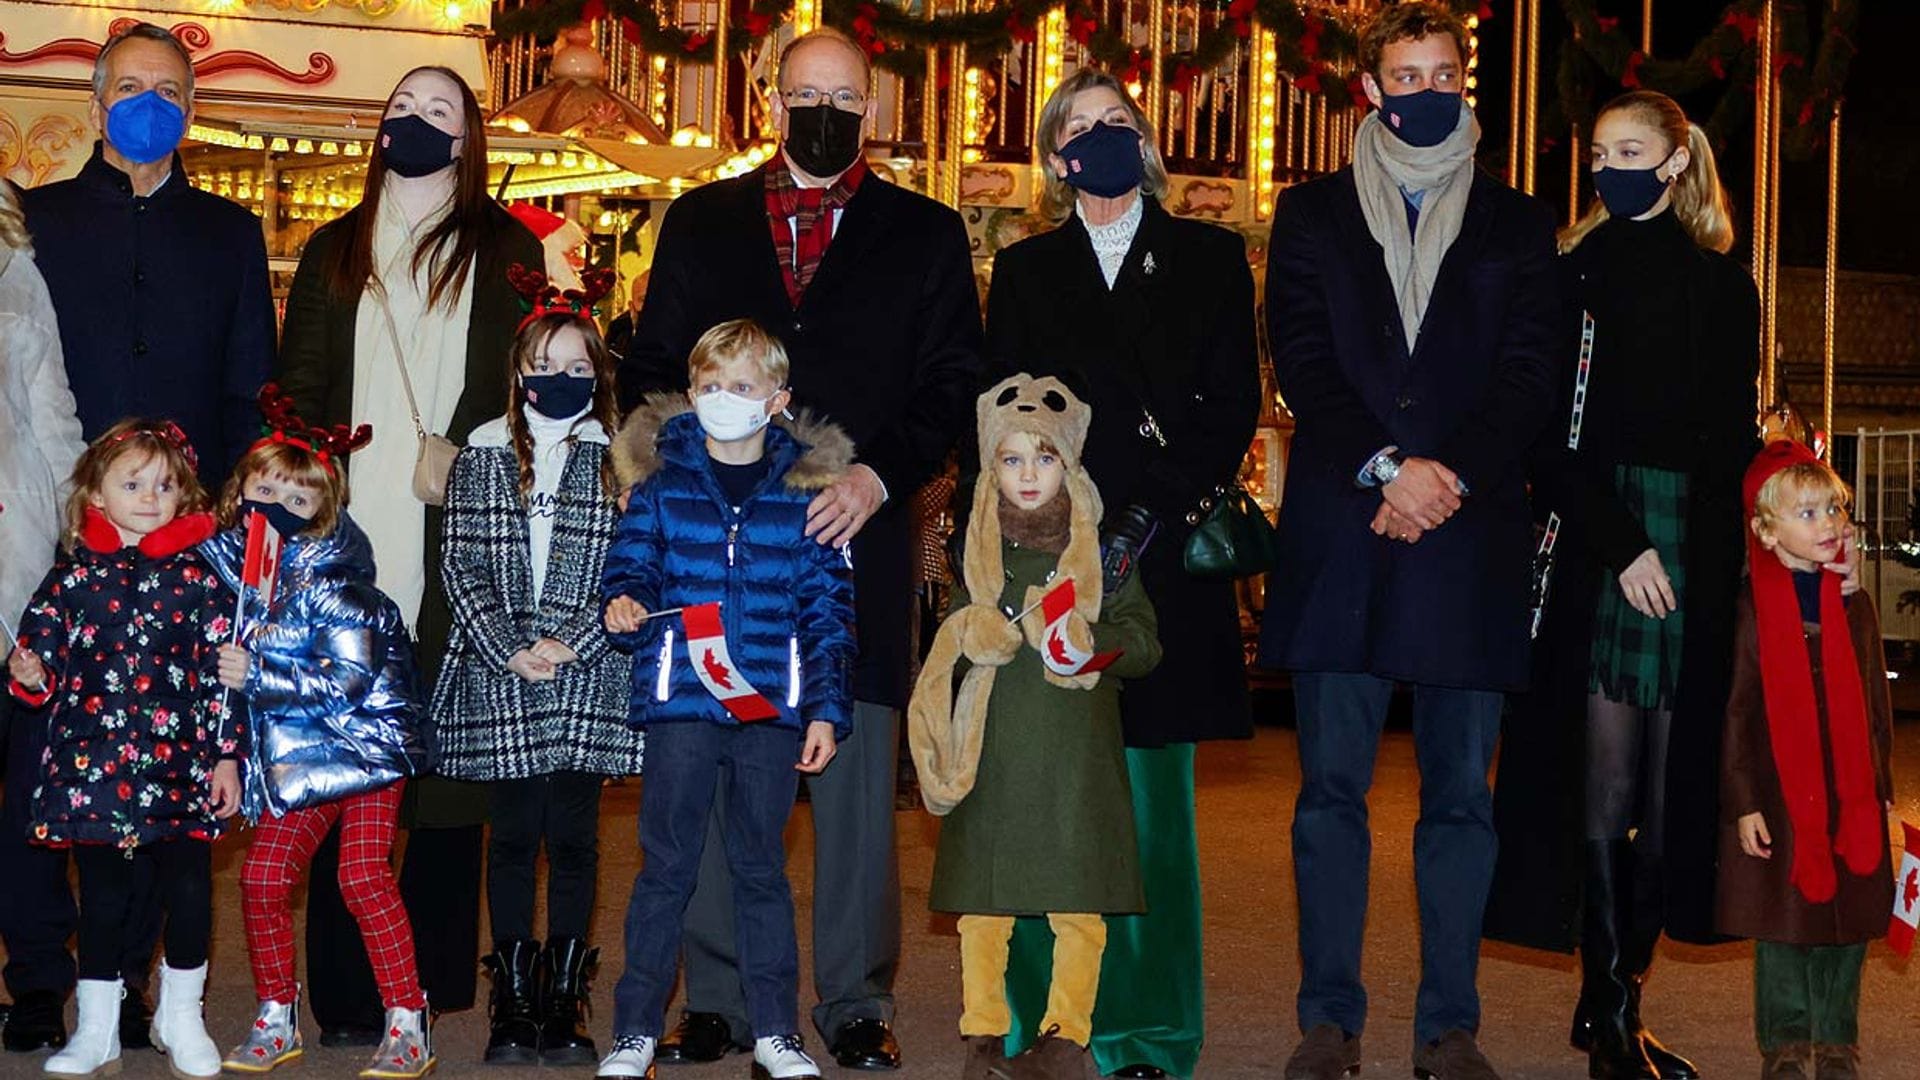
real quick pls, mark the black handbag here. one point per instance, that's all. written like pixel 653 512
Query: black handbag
pixel 1234 539
pixel 1540 586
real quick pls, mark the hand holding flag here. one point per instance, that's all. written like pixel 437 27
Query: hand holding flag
pixel 1063 638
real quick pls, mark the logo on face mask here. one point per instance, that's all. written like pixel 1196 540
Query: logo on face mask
pixel 1422 118
pixel 558 397
pixel 1628 193
pixel 727 417
pixel 1104 160
pixel 145 127
pixel 413 147
pixel 823 140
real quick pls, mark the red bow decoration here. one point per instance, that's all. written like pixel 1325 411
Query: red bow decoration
pixel 284 425
pixel 169 433
pixel 541 297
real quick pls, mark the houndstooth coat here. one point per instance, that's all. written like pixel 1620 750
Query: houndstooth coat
pixel 493 724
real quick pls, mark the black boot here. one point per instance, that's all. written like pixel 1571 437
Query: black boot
pixel 564 970
pixel 1614 1050
pixel 514 1006
pixel 37 1022
pixel 1645 922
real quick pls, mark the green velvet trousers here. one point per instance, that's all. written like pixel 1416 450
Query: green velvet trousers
pixel 1805 994
pixel 1151 1008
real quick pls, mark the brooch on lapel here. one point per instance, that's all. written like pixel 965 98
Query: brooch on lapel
pixel 1147 266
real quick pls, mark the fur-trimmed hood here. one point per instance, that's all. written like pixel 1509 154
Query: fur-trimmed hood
pixel 824 452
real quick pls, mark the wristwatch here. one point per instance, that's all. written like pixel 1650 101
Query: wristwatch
pixel 1385 466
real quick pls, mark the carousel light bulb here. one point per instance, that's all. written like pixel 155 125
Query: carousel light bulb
pixel 547 157
pixel 280 144
pixel 329 148
pixel 304 146
pixel 354 149
pixel 570 160
pixel 452 10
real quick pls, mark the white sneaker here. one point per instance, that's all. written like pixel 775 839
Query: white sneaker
pixel 179 1028
pixel 782 1057
pixel 632 1059
pixel 94 1049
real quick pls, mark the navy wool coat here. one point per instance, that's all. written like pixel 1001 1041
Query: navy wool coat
pixel 1450 610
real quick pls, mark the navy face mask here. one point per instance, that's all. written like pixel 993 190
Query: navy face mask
pixel 558 397
pixel 284 521
pixel 413 147
pixel 1628 193
pixel 1104 160
pixel 145 127
pixel 1422 118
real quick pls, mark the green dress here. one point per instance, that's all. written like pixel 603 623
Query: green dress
pixel 1049 824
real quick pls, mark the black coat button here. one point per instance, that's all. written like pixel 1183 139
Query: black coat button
pixel 139 277
pixel 798 326
pixel 1405 401
pixel 139 348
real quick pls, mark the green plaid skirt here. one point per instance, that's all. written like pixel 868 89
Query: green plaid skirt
pixel 1636 660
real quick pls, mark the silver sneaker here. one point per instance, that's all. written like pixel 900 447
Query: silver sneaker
pixel 272 1041
pixel 406 1048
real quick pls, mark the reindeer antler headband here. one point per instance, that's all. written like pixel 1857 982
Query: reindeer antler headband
pixel 540 297
pixel 282 424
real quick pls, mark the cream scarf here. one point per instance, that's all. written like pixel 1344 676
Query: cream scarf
pixel 1384 166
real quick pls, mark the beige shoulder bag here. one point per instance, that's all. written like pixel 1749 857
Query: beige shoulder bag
pixel 435 457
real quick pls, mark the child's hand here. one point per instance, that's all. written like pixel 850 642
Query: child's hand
pixel 1846 565
pixel 530 666
pixel 234 662
pixel 818 749
pixel 554 651
pixel 624 615
pixel 1077 632
pixel 1754 838
pixel 27 670
pixel 224 791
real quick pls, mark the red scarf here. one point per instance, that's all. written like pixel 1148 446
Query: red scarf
pixel 1793 716
pixel 801 243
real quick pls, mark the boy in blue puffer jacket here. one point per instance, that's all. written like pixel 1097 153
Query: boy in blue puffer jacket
pixel 742 632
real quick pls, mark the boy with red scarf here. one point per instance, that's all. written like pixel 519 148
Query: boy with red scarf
pixel 1805 784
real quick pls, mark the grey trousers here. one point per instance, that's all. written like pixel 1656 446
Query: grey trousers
pixel 856 890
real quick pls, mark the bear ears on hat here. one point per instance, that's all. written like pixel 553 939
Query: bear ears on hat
pixel 1038 406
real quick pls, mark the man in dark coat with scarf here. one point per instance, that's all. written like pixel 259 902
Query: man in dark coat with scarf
pixel 870 288
pixel 187 334
pixel 1411 309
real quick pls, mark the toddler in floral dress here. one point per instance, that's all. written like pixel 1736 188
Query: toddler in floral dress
pixel 119 644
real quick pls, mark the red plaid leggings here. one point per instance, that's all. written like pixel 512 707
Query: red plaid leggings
pixel 282 847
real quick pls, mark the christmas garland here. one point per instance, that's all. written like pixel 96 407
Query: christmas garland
pixel 642 24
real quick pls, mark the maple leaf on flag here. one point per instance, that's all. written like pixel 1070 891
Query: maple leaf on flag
pixel 1910 891
pixel 717 670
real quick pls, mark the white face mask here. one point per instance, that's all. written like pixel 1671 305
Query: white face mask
pixel 728 417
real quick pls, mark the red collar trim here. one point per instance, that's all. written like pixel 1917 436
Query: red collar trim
pixel 176 536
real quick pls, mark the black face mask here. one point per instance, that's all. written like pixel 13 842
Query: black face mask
pixel 412 147
pixel 823 140
pixel 557 397
pixel 284 521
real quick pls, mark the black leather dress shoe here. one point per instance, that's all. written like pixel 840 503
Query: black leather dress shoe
pixel 866 1044
pixel 351 1035
pixel 1141 1072
pixel 136 1020
pixel 37 1022
pixel 700 1037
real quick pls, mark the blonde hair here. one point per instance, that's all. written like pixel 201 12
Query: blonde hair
pixel 147 438
pixel 739 339
pixel 13 221
pixel 293 463
pixel 1699 200
pixel 1780 491
pixel 1056 195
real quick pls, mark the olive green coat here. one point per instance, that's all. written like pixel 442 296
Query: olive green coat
pixel 1048 826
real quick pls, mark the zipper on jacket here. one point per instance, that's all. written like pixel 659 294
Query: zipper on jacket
pixel 793 672
pixel 663 675
pixel 733 531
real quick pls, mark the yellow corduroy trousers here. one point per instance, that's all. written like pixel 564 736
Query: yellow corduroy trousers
pixel 1078 942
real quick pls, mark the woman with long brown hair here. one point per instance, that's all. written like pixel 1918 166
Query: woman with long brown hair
pixel 400 315
pixel 1618 740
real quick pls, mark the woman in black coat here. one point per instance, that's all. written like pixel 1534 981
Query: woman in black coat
pixel 457 310
pixel 1153 317
pixel 1618 741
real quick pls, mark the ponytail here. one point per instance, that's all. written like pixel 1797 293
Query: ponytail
pixel 1699 201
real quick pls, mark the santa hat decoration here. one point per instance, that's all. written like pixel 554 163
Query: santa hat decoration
pixel 539 296
pixel 281 424
pixel 558 235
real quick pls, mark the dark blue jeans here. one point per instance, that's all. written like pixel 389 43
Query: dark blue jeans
pixel 1454 732
pixel 684 763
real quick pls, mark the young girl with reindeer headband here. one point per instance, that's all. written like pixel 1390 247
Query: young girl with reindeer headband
pixel 530 699
pixel 326 666
pixel 139 766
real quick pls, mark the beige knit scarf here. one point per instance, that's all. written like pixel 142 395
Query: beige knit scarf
pixel 1384 165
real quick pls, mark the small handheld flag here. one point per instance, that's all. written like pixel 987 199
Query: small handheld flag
pixel 707 648
pixel 1906 895
pixel 260 567
pixel 1056 651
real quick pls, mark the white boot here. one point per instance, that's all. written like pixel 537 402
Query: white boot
pixel 406 1048
pixel 632 1059
pixel 782 1057
pixel 94 1049
pixel 180 1028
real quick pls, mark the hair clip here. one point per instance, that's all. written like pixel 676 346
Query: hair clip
pixel 282 424
pixel 539 297
pixel 167 432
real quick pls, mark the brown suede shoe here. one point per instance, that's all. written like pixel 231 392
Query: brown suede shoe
pixel 1789 1062
pixel 1049 1058
pixel 986 1058
pixel 1326 1053
pixel 1453 1056
pixel 1836 1063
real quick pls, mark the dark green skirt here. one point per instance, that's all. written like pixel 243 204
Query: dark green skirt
pixel 1636 660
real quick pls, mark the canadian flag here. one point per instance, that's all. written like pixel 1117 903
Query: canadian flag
pixel 1057 652
pixel 707 648
pixel 260 567
pixel 1906 895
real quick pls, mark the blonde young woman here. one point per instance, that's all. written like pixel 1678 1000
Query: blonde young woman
pixel 1619 738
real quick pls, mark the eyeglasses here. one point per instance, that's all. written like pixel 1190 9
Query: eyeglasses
pixel 806 97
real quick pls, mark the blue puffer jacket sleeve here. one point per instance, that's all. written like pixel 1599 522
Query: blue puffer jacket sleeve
pixel 825 591
pixel 634 564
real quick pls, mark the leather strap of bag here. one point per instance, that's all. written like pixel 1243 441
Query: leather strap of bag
pixel 399 357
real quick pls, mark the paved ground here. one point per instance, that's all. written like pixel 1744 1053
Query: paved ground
pixel 1699 999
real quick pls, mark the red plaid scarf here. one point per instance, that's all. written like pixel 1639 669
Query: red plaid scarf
pixel 811 213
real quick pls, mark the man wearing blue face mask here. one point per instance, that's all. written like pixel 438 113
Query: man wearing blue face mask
pixel 186 332
pixel 1411 308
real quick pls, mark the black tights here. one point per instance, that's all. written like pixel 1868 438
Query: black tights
pixel 1627 772
pixel 182 876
